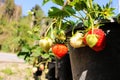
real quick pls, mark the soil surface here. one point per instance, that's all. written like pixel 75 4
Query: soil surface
pixel 13 68
pixel 15 71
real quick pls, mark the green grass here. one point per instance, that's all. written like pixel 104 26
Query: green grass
pixel 7 71
pixel 28 71
pixel 1 78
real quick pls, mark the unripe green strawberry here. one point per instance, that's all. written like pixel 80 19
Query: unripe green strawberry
pixel 95 39
pixel 45 44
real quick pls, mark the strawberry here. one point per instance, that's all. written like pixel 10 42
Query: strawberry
pixel 95 39
pixel 45 43
pixel 41 67
pixel 59 50
pixel 76 40
pixel 34 69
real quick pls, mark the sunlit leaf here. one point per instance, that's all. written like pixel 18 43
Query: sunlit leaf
pixel 56 12
pixel 45 1
pixel 87 23
pixel 45 56
pixel 69 10
pixel 36 52
pixel 72 3
pixel 59 2
pixel 26 49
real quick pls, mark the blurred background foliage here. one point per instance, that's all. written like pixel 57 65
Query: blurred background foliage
pixel 17 30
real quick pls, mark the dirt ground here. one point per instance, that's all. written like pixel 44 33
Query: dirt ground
pixel 15 71
pixel 14 68
pixel 18 71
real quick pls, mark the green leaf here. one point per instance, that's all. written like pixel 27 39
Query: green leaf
pixel 45 1
pixel 35 37
pixel 80 5
pixel 23 55
pixel 96 11
pixel 36 54
pixel 56 12
pixel 69 10
pixel 26 49
pixel 59 2
pixel 45 56
pixel 108 4
pixel 91 40
pixel 72 3
pixel 37 51
pixel 86 23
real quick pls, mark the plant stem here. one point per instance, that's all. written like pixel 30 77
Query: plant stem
pixel 49 26
pixel 60 23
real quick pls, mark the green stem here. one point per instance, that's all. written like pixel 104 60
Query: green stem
pixel 60 23
pixel 91 22
pixel 50 26
pixel 90 1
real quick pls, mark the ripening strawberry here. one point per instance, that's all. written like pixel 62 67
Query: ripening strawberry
pixel 76 40
pixel 95 39
pixel 59 50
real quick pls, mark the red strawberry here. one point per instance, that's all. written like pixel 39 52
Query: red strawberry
pixel 95 39
pixel 59 50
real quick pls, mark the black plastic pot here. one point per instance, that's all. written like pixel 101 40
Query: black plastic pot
pixel 87 64
pixel 60 69
pixel 51 73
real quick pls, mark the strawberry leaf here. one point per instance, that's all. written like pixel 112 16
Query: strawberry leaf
pixel 87 23
pixel 69 10
pixel 58 2
pixel 72 3
pixel 56 12
pixel 80 5
pixel 45 1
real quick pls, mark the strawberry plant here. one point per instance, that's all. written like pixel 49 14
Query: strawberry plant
pixel 66 17
pixel 87 12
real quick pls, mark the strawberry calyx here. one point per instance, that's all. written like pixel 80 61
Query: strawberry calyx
pixel 60 34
